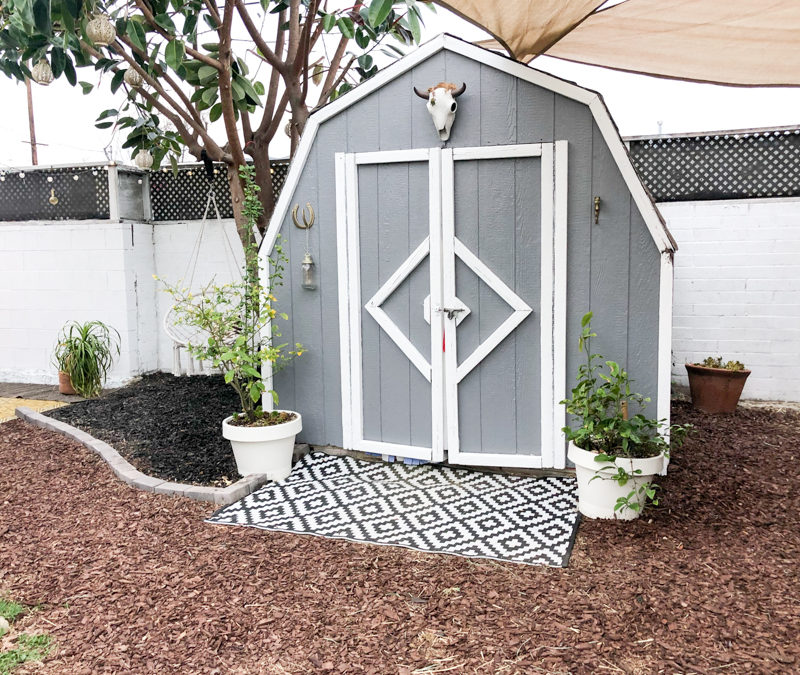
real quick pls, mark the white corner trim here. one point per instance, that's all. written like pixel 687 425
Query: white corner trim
pixel 344 305
pixel 664 387
pixel 546 320
pixel 560 303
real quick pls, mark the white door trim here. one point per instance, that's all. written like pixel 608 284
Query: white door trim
pixel 349 274
pixel 443 371
pixel 552 304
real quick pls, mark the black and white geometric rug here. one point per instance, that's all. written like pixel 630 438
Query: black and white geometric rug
pixel 428 508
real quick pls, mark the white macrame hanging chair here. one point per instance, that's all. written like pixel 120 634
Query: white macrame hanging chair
pixel 182 334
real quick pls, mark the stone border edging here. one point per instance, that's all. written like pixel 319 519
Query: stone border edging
pixel 129 474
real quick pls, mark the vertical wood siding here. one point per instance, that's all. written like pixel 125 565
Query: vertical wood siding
pixel 613 267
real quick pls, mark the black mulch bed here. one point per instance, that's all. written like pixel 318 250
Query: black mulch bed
pixel 166 426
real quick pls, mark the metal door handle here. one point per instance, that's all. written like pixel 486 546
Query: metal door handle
pixel 452 311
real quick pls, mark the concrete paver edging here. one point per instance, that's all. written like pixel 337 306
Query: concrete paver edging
pixel 132 476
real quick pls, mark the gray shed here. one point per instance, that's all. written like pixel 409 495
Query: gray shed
pixel 452 277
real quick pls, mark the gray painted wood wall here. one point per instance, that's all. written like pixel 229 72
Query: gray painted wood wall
pixel 613 267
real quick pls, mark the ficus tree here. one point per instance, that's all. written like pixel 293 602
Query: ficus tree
pixel 189 56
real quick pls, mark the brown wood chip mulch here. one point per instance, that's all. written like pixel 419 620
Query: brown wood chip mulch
pixel 135 582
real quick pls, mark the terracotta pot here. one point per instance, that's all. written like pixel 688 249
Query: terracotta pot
pixel 715 390
pixel 65 384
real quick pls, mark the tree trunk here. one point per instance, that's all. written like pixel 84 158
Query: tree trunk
pixel 237 199
pixel 261 161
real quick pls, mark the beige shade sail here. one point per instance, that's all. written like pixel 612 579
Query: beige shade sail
pixel 524 27
pixel 741 42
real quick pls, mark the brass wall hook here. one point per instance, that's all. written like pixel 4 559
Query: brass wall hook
pixel 596 210
pixel 53 199
pixel 307 223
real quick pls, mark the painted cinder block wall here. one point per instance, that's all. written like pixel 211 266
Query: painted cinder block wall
pixel 612 268
pixel 737 290
pixel 53 272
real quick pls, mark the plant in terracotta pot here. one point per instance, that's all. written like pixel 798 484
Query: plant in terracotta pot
pixel 237 320
pixel 616 455
pixel 84 354
pixel 716 386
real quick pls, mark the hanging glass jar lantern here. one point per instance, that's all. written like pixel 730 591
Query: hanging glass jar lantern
pixel 143 159
pixel 133 78
pixel 309 281
pixel 41 73
pixel 101 31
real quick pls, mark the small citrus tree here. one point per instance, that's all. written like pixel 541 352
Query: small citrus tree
pixel 237 320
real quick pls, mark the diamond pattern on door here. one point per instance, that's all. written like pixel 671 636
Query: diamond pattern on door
pixel 373 306
pixel 518 305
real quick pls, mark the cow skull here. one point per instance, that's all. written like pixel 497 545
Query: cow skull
pixel 442 105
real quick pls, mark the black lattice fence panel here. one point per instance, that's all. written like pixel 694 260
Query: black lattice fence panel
pixel 184 196
pixel 76 193
pixel 723 166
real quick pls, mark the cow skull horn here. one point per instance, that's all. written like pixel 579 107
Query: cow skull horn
pixel 421 94
pixel 460 90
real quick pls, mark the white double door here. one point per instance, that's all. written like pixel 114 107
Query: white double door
pixel 452 282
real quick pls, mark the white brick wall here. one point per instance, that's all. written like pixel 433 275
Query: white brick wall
pixel 51 273
pixel 737 290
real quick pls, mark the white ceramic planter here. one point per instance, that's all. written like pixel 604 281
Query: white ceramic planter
pixel 266 450
pixel 597 498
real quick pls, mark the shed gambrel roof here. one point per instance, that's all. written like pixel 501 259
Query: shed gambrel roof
pixel 643 200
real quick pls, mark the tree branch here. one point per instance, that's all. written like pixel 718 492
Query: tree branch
pixel 263 47
pixel 225 89
pixel 167 77
pixel 197 126
pixel 151 20
pixel 328 85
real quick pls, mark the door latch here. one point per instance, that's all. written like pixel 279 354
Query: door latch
pixel 451 311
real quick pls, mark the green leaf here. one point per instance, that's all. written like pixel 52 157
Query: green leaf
pixel 414 25
pixel 215 113
pixel 165 22
pixel 111 112
pixel 346 27
pixel 365 61
pixel 229 376
pixel 255 391
pixel 174 162
pixel 259 87
pixel 328 22
pixel 86 86
pixel 69 72
pixel 137 35
pixel 116 81
pixel 41 16
pixel 362 39
pixel 57 61
pixel 189 24
pixel 378 11
pixel 174 53
pixel 207 74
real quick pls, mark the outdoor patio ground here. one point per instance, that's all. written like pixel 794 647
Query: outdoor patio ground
pixel 128 581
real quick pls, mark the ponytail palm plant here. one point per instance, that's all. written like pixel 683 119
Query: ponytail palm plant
pixel 86 351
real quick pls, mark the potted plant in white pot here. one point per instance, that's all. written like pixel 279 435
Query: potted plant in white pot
pixel 237 320
pixel 616 455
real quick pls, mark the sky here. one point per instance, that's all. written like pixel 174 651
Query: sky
pixel 640 105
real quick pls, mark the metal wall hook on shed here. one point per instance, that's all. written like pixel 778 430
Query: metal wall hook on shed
pixel 307 223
